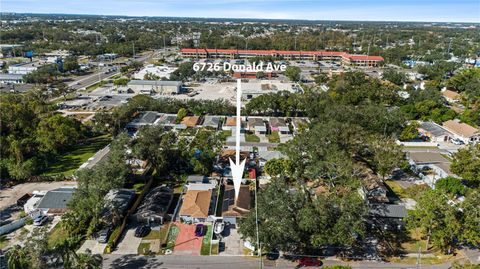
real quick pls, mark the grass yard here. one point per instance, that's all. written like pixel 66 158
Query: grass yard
pixel 251 138
pixel 397 189
pixel 143 248
pixel 207 239
pixel 172 236
pixel 273 137
pixel 215 249
pixel 67 163
pixel 224 134
pixel 3 241
pixel 153 235
pixel 57 235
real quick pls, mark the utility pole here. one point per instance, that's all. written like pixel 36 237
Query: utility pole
pixel 256 224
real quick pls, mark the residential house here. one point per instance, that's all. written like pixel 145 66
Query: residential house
pixel 434 132
pixel 169 121
pixel 299 124
pixel 117 202
pixel 431 166
pixel 154 206
pixel 231 124
pixel 212 122
pixel 55 202
pixel 386 216
pixel 278 125
pixel 462 131
pixel 145 118
pixel 256 125
pixel 197 179
pixel 233 210
pixel 374 190
pixel 451 96
pixel 191 121
pixel 196 206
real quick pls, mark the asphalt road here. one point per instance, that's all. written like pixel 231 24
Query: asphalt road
pixel 231 262
pixel 90 79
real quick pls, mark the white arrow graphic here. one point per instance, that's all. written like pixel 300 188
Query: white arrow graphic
pixel 237 166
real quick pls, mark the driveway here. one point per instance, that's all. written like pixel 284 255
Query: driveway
pixel 128 243
pixel 93 246
pixel 231 243
pixel 187 243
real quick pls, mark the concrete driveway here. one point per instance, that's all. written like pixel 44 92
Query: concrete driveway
pixel 128 243
pixel 93 246
pixel 231 243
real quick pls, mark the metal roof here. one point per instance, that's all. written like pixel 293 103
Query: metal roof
pixel 155 83
pixel 57 198
pixel 11 76
pixel 388 211
pixel 433 128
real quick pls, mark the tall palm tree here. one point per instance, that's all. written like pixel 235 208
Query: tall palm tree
pixel 17 258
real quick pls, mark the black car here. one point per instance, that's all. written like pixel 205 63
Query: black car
pixel 142 231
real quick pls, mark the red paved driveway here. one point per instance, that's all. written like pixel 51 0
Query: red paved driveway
pixel 187 243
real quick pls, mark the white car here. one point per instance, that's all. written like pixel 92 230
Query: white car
pixel 40 220
pixel 457 141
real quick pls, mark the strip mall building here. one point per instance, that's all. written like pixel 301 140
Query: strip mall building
pixel 343 57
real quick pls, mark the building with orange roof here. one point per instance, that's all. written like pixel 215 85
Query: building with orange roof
pixel 462 131
pixel 191 121
pixel 196 205
pixel 451 96
pixel 350 59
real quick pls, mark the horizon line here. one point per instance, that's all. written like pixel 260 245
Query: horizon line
pixel 235 18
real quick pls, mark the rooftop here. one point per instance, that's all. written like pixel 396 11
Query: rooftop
pixel 155 83
pixel 212 121
pixel 230 207
pixel 196 203
pixel 433 128
pixel 57 198
pixel 231 121
pixel 191 121
pixel 277 122
pixel 388 211
pixel 451 94
pixel 460 128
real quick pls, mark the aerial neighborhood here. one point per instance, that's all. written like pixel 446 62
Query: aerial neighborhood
pixel 361 150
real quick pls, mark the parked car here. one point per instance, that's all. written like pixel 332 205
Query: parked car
pixel 457 141
pixel 199 230
pixel 40 220
pixel 103 235
pixel 142 231
pixel 273 255
pixel 309 261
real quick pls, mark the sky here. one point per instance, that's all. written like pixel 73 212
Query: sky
pixel 356 10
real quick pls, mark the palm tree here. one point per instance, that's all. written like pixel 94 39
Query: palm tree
pixel 89 261
pixel 17 258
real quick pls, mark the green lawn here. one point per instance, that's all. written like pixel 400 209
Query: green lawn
pixel 67 163
pixel 154 234
pixel 205 250
pixel 143 248
pixel 3 241
pixel 251 138
pixel 224 134
pixel 273 137
pixel 57 235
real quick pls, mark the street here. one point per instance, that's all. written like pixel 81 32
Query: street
pixel 233 262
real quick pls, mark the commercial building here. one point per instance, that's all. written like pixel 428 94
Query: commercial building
pixel 23 68
pixel 11 78
pixel 154 86
pixel 349 59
